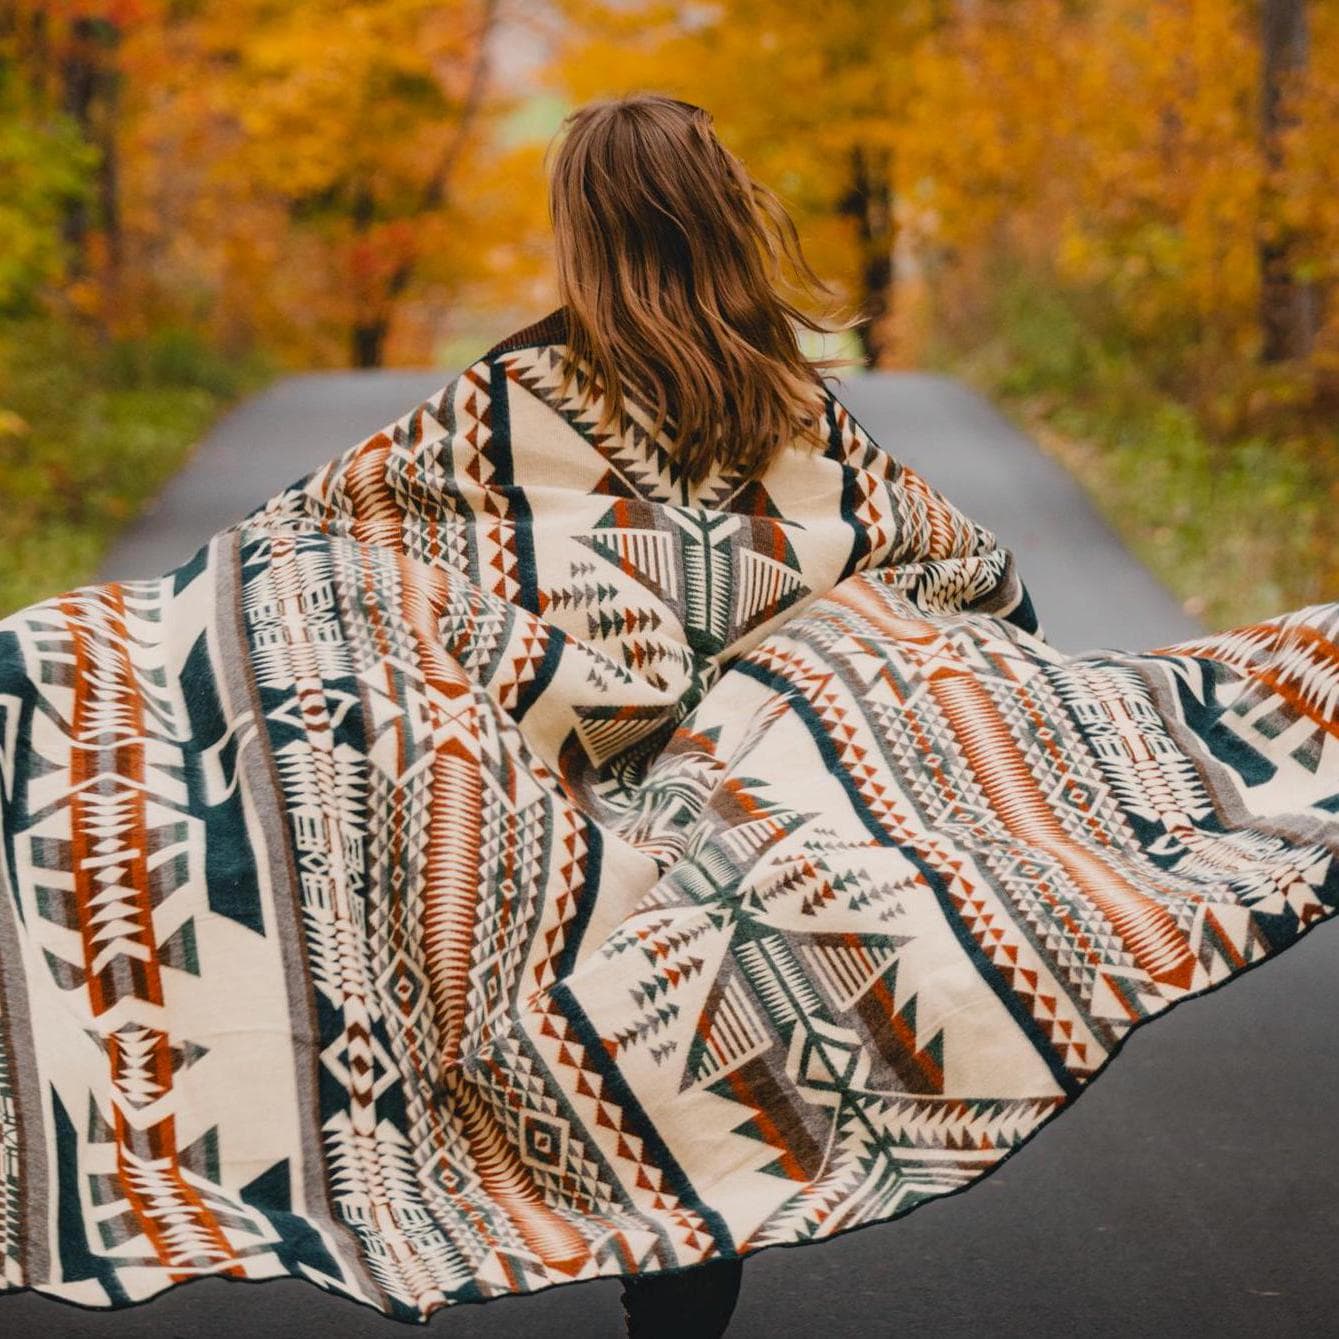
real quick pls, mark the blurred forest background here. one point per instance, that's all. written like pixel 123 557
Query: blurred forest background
pixel 1116 217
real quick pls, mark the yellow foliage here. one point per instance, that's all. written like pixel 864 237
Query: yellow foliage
pixel 296 173
pixel 1112 146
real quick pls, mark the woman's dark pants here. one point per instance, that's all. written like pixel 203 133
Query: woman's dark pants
pixel 695 1303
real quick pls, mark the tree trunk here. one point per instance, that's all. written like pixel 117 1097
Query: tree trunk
pixel 91 87
pixel 369 337
pixel 369 343
pixel 78 87
pixel 1288 315
pixel 870 202
pixel 368 332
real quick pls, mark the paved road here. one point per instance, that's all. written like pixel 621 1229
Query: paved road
pixel 1089 590
pixel 1193 1190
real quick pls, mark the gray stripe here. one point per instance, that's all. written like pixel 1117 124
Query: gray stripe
pixel 237 688
pixel 19 1067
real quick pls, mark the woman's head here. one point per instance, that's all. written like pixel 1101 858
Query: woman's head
pixel 669 263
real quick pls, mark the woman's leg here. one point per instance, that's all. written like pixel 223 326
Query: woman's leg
pixel 695 1303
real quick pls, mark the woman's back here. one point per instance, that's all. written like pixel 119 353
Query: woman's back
pixel 504 480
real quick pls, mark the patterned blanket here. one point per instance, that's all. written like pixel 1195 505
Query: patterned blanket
pixel 496 863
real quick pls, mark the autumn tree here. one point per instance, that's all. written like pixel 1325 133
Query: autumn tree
pixel 45 174
pixel 356 121
pixel 63 63
pixel 323 178
pixel 1306 202
pixel 812 102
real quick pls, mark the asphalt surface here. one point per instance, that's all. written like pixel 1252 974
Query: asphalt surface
pixel 1193 1189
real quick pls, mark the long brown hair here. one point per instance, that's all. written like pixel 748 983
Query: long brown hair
pixel 669 264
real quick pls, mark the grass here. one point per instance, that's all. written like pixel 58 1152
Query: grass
pixel 1238 529
pixel 88 435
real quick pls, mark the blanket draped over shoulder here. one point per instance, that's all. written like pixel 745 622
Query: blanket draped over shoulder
pixel 495 862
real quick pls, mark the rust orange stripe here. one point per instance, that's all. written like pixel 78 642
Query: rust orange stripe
pixel 1149 932
pixel 127 763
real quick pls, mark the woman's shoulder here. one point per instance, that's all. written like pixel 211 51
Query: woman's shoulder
pixel 549 329
pixel 847 440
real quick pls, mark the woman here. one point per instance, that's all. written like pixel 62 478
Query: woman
pixel 667 256
pixel 613 820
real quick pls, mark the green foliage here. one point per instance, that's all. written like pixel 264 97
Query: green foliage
pixel 44 167
pixel 180 358
pixel 88 436
pixel 1238 528
pixel 1051 348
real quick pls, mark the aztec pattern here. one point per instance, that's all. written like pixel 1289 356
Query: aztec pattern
pixel 495 863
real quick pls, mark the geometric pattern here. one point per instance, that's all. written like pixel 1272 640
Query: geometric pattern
pixel 497 862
